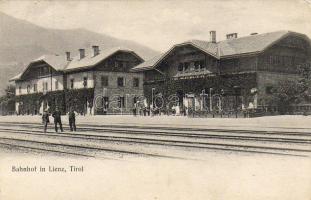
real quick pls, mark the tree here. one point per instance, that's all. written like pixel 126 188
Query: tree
pixel 291 92
pixel 305 71
pixel 287 93
pixel 7 101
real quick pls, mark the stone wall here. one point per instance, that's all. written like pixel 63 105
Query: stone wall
pixel 113 92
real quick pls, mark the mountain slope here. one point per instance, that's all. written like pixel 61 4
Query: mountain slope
pixel 22 41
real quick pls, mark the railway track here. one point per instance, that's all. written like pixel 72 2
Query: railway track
pixel 23 147
pixel 165 128
pixel 73 149
pixel 302 136
pixel 184 141
pixel 133 135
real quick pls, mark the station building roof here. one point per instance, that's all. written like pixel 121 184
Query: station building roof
pixel 60 62
pixel 233 47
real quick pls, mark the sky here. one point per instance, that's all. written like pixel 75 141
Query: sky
pixel 161 24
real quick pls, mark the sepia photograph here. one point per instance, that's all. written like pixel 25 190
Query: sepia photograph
pixel 155 100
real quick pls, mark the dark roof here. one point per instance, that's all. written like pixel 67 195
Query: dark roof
pixel 227 48
pixel 147 64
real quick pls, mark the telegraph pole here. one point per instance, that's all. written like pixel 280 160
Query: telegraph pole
pixel 210 100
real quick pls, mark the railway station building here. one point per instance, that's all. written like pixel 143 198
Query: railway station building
pixel 224 76
pixel 96 76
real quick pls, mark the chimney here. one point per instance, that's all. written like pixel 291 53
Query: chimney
pixel 68 56
pixel 95 50
pixel 232 35
pixel 254 33
pixel 212 36
pixel 82 53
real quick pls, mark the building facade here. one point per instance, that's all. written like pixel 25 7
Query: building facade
pixel 98 81
pixel 225 76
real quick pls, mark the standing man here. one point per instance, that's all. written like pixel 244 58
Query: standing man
pixel 72 119
pixel 45 119
pixel 57 119
pixel 134 109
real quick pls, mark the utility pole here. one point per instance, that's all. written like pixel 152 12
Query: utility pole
pixel 236 89
pixel 210 100
pixel 152 97
pixel 203 99
pixel 51 80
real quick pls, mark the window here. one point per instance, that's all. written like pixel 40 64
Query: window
pixel 45 86
pixel 276 60
pixel 105 103
pixel 191 66
pixel 35 87
pixel 118 64
pixel 124 65
pixel 136 82
pixel 202 64
pixel 104 81
pixel 213 62
pixel 197 65
pixel 95 80
pixel 120 81
pixel 28 89
pixel 269 90
pixel 279 59
pixel 84 81
pixel 121 102
pixel 180 67
pixel 292 60
pixel 56 85
pixel 45 70
pixel 186 66
pixel 72 83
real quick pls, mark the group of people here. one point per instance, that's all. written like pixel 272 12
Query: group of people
pixel 58 120
pixel 138 109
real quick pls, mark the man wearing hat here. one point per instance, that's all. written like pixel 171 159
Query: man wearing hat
pixel 45 119
pixel 57 119
pixel 72 119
